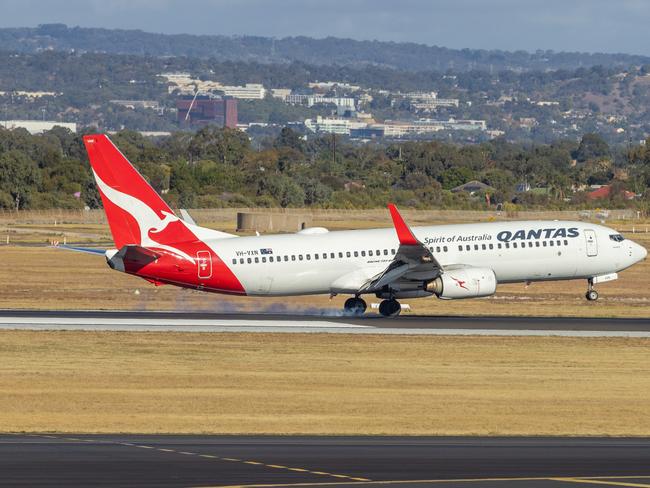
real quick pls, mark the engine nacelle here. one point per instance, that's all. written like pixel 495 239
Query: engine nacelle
pixel 464 283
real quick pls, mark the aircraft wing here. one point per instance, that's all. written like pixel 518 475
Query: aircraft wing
pixel 413 261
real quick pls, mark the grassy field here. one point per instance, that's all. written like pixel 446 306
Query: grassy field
pixel 40 277
pixel 322 384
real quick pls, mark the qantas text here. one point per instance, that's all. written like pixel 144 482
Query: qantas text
pixel 548 233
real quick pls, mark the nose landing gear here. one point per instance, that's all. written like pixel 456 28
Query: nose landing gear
pixel 591 295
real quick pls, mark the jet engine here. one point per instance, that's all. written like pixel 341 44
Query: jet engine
pixel 463 283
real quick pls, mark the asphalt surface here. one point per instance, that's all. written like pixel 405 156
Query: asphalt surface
pixel 175 461
pixel 322 321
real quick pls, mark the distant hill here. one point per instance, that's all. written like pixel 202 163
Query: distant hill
pixel 328 51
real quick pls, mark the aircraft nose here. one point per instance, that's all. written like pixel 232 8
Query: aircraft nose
pixel 639 252
pixel 644 252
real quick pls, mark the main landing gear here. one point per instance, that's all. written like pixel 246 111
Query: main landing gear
pixel 355 306
pixel 591 295
pixel 390 308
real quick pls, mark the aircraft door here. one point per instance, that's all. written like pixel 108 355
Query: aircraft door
pixel 204 264
pixel 592 243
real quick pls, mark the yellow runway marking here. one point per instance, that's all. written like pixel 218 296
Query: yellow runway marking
pixel 592 481
pixel 165 450
pixel 369 483
pixel 234 460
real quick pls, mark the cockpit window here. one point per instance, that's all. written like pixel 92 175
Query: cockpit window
pixel 616 237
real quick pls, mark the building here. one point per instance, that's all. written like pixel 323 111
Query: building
pixel 37 126
pixel 340 102
pixel 605 192
pixel 133 104
pixel 250 91
pixel 328 125
pixel 281 93
pixel 204 110
pixel 399 128
pixel 434 104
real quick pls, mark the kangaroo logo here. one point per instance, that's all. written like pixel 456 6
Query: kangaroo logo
pixel 460 283
pixel 148 221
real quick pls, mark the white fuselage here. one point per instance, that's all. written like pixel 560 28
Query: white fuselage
pixel 331 262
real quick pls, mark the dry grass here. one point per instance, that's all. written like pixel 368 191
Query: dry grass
pixel 37 277
pixel 322 384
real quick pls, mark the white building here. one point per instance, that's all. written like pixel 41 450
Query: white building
pixel 250 91
pixel 281 93
pixel 328 125
pixel 37 126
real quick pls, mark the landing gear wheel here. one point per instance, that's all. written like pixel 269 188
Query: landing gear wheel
pixel 390 308
pixel 591 295
pixel 355 306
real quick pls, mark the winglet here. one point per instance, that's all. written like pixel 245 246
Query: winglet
pixel 404 233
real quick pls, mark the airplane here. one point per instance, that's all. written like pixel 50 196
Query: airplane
pixel 447 261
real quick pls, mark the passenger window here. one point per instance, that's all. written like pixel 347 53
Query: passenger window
pixel 476 247
pixel 308 256
pixel 348 253
pixel 514 245
pixel 270 259
pixel 264 259
pixel 370 253
pixel 536 243
pixel 249 260
pixel 363 253
pixel 241 261
pixel 299 257
pixel 234 261
pixel 566 243
pixel 356 254
pixel 551 243
pixel 460 248
pixel 316 255
pixel 437 248
pixel 468 247
pixel 286 258
pixel 491 246
pixel 293 257
pixel 559 242
pixel 257 260
pixel 392 251
pixel 483 247
pixel 378 253
pixel 544 243
pixel 331 255
pixel 445 249
pixel 530 243
pixel 507 245
pixel 385 252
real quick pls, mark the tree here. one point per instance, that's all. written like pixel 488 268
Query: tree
pixel 592 146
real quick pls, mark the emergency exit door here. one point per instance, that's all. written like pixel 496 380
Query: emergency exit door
pixel 204 264
pixel 592 243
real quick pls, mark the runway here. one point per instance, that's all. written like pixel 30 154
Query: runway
pixel 322 322
pixel 174 461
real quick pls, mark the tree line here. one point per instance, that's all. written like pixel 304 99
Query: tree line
pixel 217 167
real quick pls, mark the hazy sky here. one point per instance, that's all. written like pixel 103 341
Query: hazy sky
pixel 561 25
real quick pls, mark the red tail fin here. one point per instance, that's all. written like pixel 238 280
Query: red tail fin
pixel 132 207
